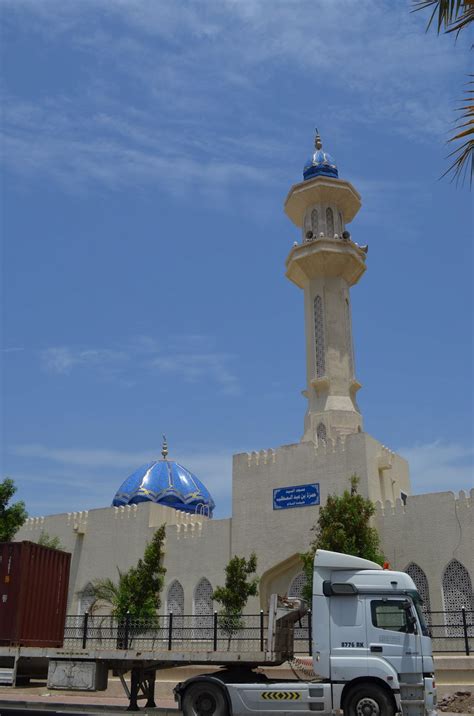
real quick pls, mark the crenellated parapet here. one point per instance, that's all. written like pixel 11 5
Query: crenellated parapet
pixel 94 522
pixel 434 503
pixel 271 456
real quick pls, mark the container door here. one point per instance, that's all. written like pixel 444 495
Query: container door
pixel 10 593
pixel 389 637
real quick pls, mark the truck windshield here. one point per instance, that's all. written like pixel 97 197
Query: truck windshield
pixel 418 602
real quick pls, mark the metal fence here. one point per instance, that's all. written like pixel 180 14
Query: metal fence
pixel 451 632
pixel 186 633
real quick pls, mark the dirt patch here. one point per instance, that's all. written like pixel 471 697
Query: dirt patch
pixel 461 702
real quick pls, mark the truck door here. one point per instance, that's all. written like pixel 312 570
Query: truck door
pixel 348 638
pixel 390 635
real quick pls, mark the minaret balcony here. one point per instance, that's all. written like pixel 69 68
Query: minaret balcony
pixel 325 257
pixel 322 190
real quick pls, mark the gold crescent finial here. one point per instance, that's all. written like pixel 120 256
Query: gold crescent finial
pixel 317 140
pixel 164 448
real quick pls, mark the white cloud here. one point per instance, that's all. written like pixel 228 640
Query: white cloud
pixel 186 357
pixel 195 79
pixel 62 359
pixel 440 466
pixel 194 367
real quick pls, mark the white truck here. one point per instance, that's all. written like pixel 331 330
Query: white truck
pixel 371 653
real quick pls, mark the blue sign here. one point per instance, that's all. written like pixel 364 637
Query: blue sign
pixel 296 496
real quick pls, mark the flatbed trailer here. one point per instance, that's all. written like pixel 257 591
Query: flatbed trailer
pixel 88 655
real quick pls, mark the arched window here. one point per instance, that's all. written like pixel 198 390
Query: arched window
pixel 296 590
pixel 297 584
pixel 350 347
pixel 175 599
pixel 319 337
pixel 341 224
pixel 329 223
pixel 457 593
pixel 421 583
pixel 203 609
pixel 315 222
pixel 321 433
pixel 86 599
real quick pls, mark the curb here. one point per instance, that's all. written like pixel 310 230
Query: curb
pixel 89 708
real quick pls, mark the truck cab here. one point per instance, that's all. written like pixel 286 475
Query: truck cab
pixel 368 628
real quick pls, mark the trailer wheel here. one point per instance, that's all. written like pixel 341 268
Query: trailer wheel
pixel 203 699
pixel 368 700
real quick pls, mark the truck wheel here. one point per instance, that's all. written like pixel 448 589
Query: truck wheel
pixel 203 699
pixel 368 700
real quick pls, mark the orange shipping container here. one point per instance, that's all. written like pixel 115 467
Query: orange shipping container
pixel 34 584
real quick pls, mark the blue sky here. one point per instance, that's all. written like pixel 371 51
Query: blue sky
pixel 149 146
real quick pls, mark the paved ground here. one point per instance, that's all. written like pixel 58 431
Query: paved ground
pixel 37 698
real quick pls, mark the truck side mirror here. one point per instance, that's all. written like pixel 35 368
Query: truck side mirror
pixel 412 625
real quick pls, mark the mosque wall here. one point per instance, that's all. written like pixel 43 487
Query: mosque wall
pixel 431 535
pixel 382 474
pixel 103 539
pixel 196 553
pixel 431 531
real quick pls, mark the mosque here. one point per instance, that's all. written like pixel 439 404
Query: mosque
pixel 276 493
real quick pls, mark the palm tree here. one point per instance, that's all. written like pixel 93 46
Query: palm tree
pixel 455 16
pixel 105 593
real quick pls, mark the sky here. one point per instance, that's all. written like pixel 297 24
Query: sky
pixel 148 147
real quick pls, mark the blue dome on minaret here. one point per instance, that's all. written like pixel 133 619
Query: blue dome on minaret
pixel 321 163
pixel 168 483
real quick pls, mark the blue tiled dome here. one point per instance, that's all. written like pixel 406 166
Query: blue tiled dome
pixel 165 482
pixel 321 163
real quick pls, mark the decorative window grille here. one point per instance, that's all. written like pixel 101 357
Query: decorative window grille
pixel 329 223
pixel 421 583
pixel 319 337
pixel 315 222
pixel 321 433
pixel 350 348
pixel 341 224
pixel 457 593
pixel 86 599
pixel 203 609
pixel 175 599
pixel 296 590
pixel 297 584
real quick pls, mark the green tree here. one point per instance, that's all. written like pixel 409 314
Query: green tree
pixel 11 517
pixel 47 540
pixel 137 591
pixel 239 586
pixel 454 16
pixel 343 526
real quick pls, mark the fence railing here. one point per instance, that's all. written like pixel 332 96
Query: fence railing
pixel 186 633
pixel 451 632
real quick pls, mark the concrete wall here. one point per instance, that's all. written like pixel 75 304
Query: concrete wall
pixel 429 530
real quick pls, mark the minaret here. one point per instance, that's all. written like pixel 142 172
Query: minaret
pixel 325 265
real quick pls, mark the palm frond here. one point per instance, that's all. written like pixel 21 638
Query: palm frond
pixel 446 11
pixel 463 20
pixel 464 154
pixel 104 591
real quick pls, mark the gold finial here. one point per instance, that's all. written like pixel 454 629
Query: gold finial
pixel 317 140
pixel 164 448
